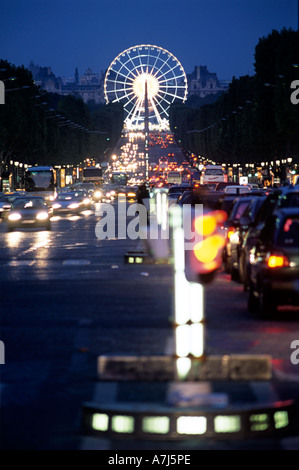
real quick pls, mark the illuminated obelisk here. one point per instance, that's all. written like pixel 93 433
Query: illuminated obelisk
pixel 146 130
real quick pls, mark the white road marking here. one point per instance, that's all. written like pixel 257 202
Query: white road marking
pixel 76 262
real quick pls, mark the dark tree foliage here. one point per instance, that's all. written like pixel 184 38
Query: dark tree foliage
pixel 37 127
pixel 255 119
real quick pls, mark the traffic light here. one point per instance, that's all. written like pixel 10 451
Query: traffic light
pixel 204 256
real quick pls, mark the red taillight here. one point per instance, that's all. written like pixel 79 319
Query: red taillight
pixel 230 232
pixel 277 261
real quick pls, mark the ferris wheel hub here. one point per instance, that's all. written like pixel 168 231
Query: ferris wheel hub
pixel 152 86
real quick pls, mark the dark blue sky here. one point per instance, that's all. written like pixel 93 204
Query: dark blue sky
pixel 65 34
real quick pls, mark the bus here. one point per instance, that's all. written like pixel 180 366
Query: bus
pixel 41 180
pixel 213 174
pixel 92 174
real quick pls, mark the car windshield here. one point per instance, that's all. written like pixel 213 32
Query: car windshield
pixel 240 209
pixel 29 204
pixel 289 232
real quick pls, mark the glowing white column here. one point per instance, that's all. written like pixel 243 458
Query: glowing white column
pixel 188 304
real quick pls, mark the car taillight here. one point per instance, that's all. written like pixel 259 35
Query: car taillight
pixel 277 260
pixel 230 232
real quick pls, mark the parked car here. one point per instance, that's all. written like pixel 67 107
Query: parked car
pixel 274 261
pixel 230 226
pixel 28 212
pixel 237 262
pixel 278 198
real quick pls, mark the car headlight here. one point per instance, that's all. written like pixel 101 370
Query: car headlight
pixel 86 201
pixel 14 216
pixel 131 194
pixel 56 205
pixel 74 205
pixel 97 194
pixel 112 193
pixel 42 215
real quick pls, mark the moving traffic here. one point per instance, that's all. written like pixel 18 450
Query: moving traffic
pixel 63 276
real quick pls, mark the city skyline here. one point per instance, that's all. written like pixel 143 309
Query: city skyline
pixel 66 35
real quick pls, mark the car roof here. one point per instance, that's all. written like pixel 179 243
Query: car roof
pixel 286 212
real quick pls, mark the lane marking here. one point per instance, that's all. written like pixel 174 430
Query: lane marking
pixel 76 262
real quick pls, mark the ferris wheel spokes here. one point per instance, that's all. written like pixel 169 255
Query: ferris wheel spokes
pixel 126 77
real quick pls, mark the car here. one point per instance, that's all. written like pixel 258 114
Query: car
pixel 93 190
pixel 67 203
pixel 97 194
pixel 11 196
pixel 84 199
pixel 253 185
pixel 131 193
pixel 237 189
pixel 278 198
pixel 222 185
pixel 201 195
pixel 274 260
pixel 240 230
pixel 178 189
pixel 173 198
pixel 230 226
pixel 28 212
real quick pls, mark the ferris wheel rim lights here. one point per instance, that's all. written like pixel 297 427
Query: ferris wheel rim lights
pixel 160 69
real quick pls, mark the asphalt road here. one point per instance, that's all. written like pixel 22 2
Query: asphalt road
pixel 68 298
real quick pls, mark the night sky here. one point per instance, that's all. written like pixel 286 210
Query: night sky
pixel 66 34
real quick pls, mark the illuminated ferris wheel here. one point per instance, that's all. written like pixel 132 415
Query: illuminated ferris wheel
pixel 145 71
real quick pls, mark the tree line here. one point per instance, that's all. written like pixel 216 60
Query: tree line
pixel 43 128
pixel 255 119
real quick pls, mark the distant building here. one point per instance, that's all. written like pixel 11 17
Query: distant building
pixel 202 83
pixel 90 86
pixel 45 78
